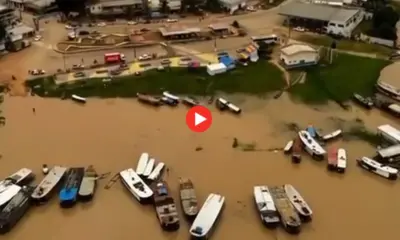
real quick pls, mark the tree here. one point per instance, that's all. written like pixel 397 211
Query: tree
pixel 164 8
pixel 384 23
pixel 67 6
pixel 3 32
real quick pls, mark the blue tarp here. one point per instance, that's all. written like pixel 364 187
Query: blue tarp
pixel 227 61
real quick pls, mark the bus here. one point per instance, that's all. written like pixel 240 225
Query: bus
pixel 268 39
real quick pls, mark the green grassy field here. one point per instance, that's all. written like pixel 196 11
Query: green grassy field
pixel 347 74
pixel 257 79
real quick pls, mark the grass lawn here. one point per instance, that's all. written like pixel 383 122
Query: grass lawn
pixel 347 75
pixel 344 44
pixel 257 79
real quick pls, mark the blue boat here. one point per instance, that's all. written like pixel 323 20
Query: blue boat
pixel 69 191
pixel 312 131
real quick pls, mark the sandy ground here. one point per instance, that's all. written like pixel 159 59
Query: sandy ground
pixel 390 74
pixel 111 134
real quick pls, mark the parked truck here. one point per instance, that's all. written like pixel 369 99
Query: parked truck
pixel 115 57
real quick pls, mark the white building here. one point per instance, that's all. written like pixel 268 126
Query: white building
pixel 110 7
pixel 335 20
pixel 298 55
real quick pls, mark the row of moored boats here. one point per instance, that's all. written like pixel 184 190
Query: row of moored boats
pixel 310 141
pixel 173 100
pixel 17 194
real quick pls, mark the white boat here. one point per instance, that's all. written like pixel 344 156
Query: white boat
pixel 149 167
pixel 49 182
pixel 332 135
pixel 302 208
pixel 135 185
pixel 7 191
pixel 78 98
pixel 311 145
pixel 142 163
pixel 156 172
pixel 207 217
pixel 378 168
pixel 266 206
pixel 341 160
pixel 388 90
pixel 170 96
pixel 288 147
pixel 20 177
pixel 222 103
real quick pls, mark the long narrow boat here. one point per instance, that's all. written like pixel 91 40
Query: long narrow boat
pixel 366 102
pixel 223 104
pixel 289 217
pixel 21 177
pixel 207 217
pixel 136 186
pixel 266 206
pixel 342 160
pixel 69 192
pixel 312 146
pixel 45 188
pixel 298 202
pixel 188 198
pixel 378 168
pixel 165 207
pixel 388 90
pixel 332 159
pixel 332 135
pixel 88 184
pixel 288 147
pixel 297 150
pixel 142 163
pixel 190 101
pixel 147 99
pixel 9 187
pixel 157 172
pixel 15 209
pixel 149 168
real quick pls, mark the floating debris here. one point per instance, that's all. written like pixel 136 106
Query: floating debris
pixel 198 149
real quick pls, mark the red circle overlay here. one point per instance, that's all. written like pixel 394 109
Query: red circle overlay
pixel 198 119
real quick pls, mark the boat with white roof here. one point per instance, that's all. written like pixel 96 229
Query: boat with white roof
pixel 9 187
pixel 388 90
pixel 378 168
pixel 21 177
pixel 266 206
pixel 341 160
pixel 205 220
pixel 136 186
pixel 149 168
pixel 157 172
pixel 142 163
pixel 312 146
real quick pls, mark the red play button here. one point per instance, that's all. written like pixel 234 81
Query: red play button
pixel 198 119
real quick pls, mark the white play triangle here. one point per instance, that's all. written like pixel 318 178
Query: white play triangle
pixel 198 119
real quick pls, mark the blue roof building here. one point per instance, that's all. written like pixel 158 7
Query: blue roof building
pixel 227 61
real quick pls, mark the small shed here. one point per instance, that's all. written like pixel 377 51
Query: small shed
pixel 298 55
pixel 216 68
pixel 220 28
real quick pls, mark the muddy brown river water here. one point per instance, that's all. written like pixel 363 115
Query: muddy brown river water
pixel 111 134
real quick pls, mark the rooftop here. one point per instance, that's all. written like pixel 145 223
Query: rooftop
pixel 218 26
pixel 173 30
pixel 20 30
pixel 317 12
pixel 117 3
pixel 297 48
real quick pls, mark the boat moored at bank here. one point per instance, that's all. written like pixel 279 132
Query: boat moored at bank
pixel 378 168
pixel 49 183
pixel 312 146
pixel 69 192
pixel 266 206
pixel 136 186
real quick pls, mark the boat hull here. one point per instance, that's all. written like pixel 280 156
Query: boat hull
pixel 127 178
pixel 69 193
pixel 387 175
pixel 90 186
pixel 10 217
pixel 50 184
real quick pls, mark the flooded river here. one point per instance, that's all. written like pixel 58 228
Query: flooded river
pixel 111 134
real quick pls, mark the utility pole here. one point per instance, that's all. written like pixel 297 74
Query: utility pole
pixel 289 30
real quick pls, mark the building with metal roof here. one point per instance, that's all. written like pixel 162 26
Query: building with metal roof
pixel 336 20
pixel 298 55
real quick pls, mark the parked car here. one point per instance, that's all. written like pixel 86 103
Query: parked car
pixel 169 20
pixel 37 38
pixel 68 27
pixel 299 29
pixel 132 23
pixel 37 72
pixel 102 24
pixel 79 74
pixel 145 57
pixel 78 66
